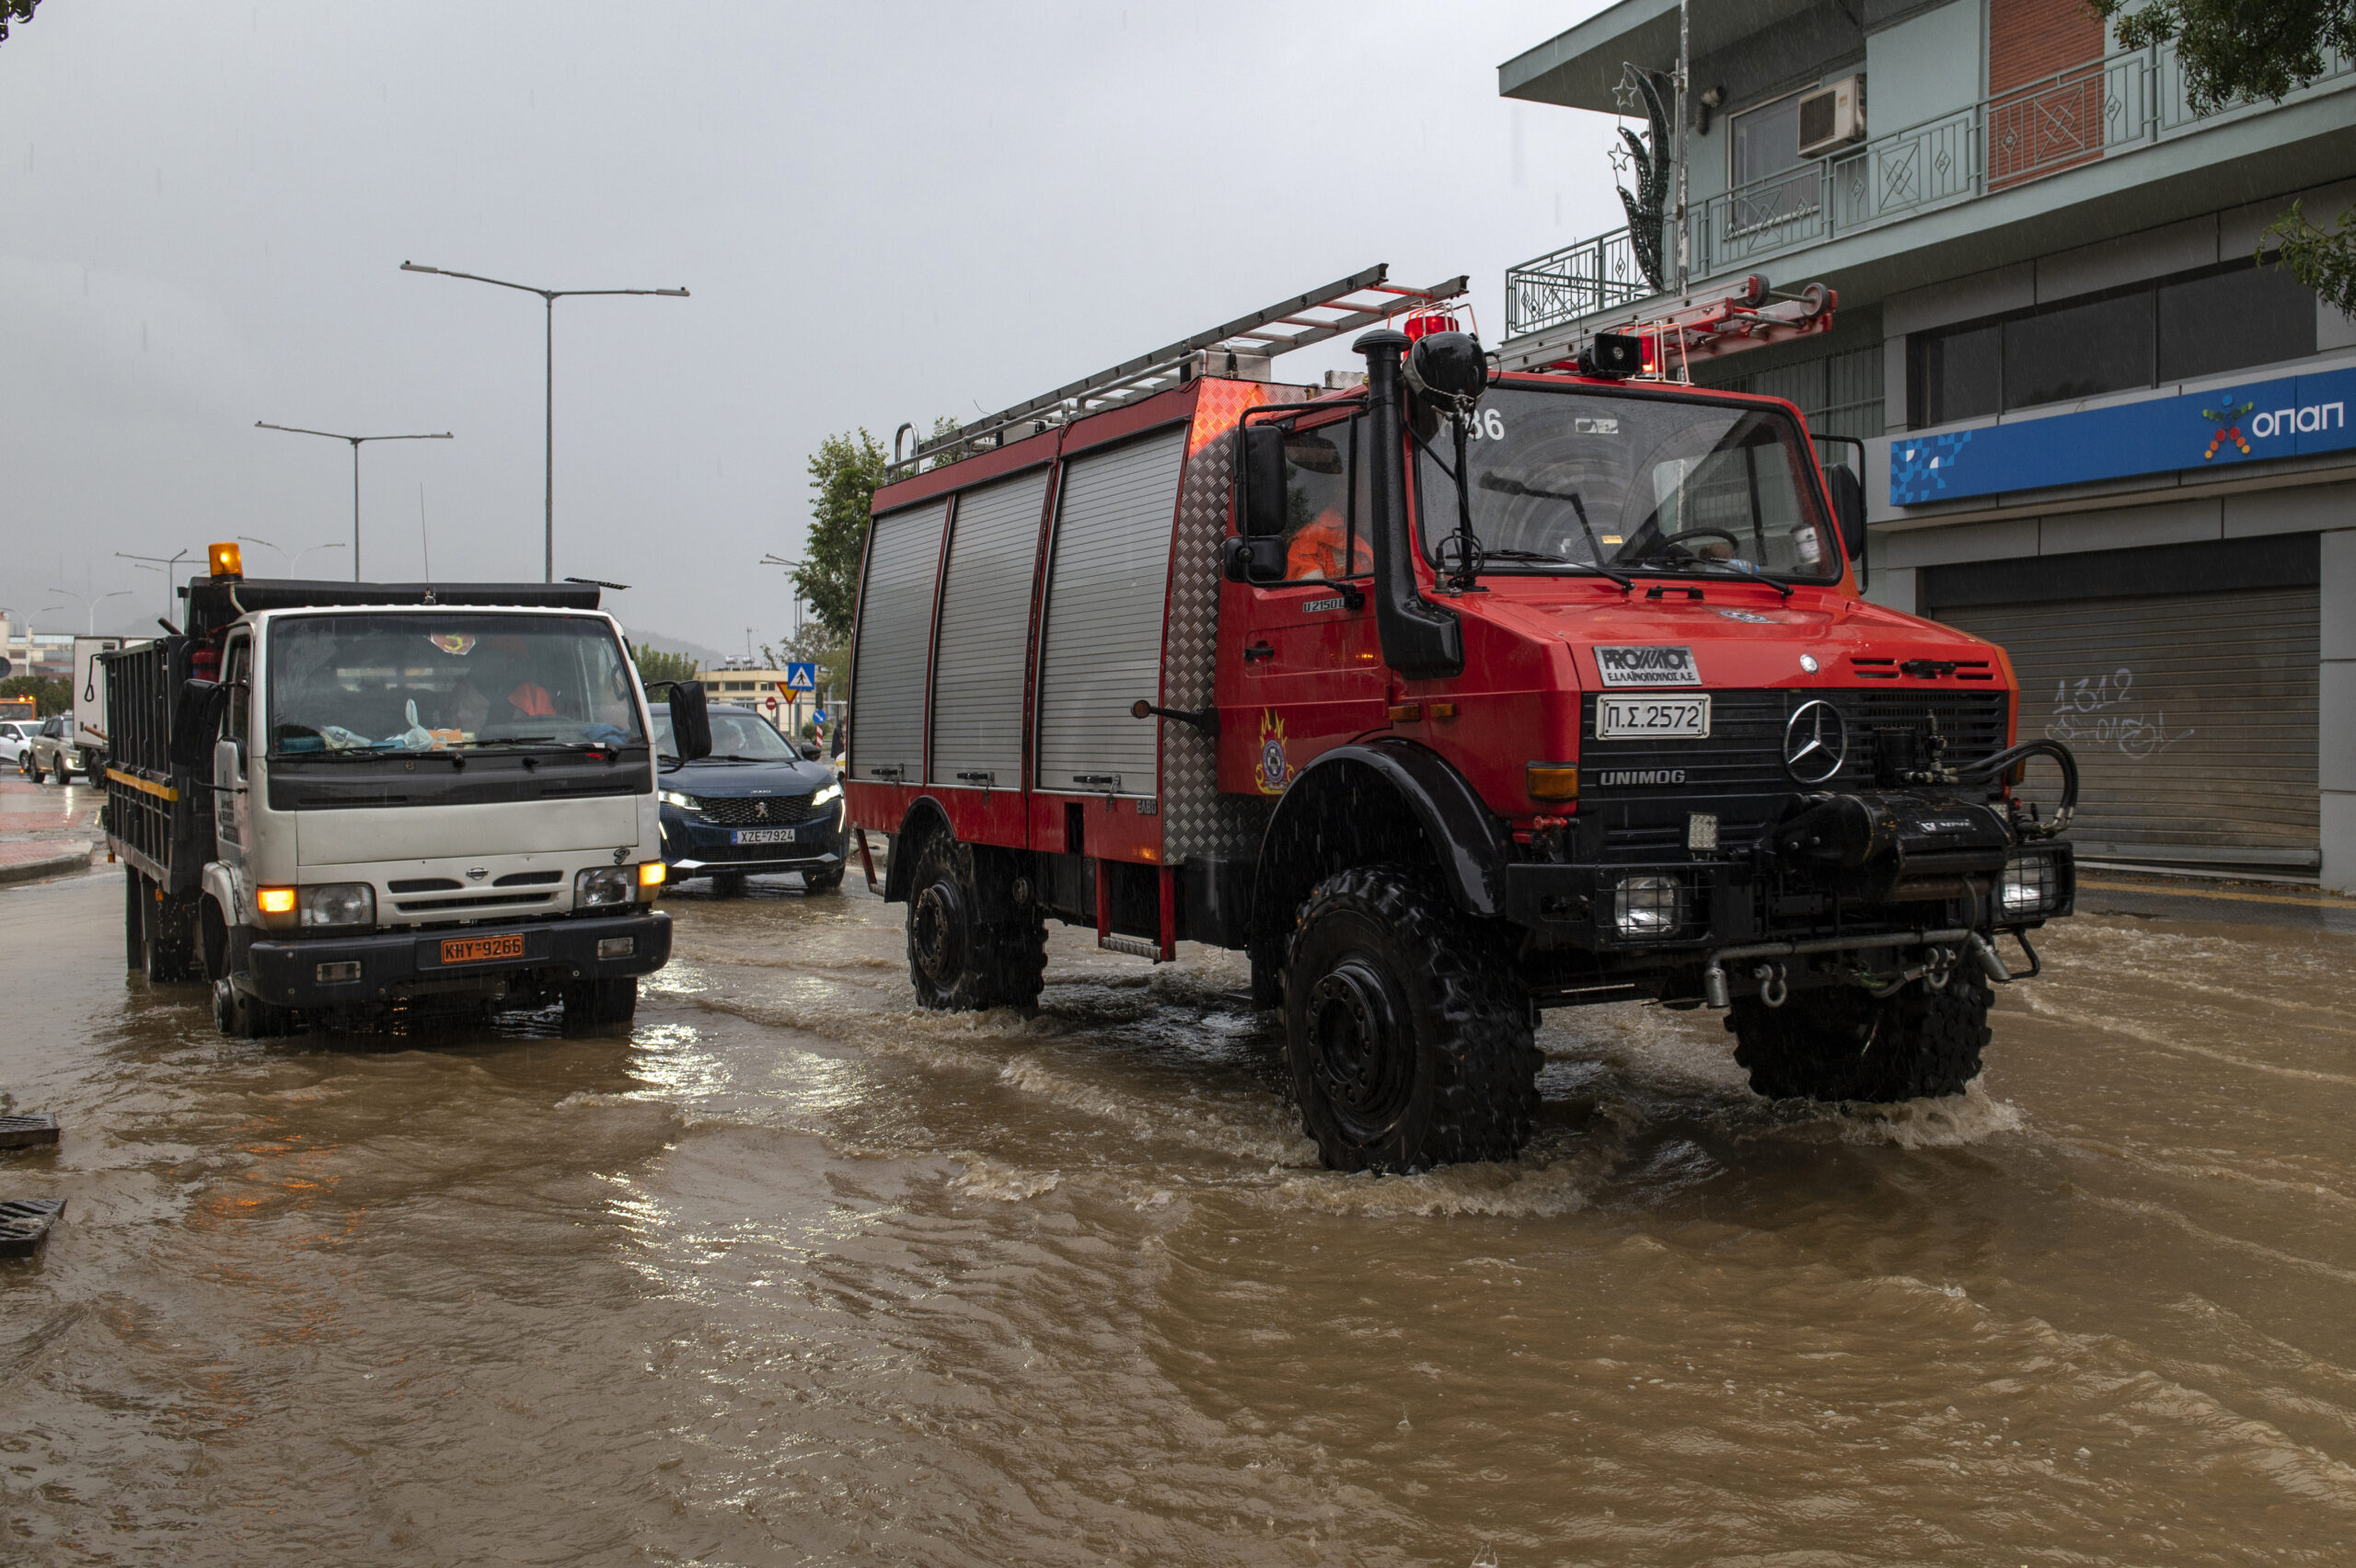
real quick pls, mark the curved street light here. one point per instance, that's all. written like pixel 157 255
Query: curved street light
pixel 356 439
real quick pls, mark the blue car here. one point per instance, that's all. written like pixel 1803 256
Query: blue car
pixel 757 804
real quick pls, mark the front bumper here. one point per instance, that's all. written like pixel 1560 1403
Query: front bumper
pixel 1708 903
pixel 392 964
pixel 694 849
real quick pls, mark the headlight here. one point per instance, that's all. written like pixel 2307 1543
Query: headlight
pixel 2031 887
pixel 684 802
pixel 604 886
pixel 338 904
pixel 831 792
pixel 1646 907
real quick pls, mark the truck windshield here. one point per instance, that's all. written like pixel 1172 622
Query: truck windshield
pixel 1559 480
pixel 364 682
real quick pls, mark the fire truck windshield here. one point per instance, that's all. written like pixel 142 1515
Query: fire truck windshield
pixel 1633 483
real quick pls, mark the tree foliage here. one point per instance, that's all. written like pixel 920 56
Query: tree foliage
pixel 48 696
pixel 658 664
pixel 844 473
pixel 2237 51
pixel 15 11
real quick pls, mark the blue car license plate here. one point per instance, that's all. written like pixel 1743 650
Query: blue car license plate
pixel 761 835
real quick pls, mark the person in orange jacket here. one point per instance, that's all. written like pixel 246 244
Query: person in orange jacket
pixel 1316 550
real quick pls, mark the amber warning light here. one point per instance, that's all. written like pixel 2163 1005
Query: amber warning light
pixel 226 561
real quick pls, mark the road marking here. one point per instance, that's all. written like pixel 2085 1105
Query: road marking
pixel 2312 901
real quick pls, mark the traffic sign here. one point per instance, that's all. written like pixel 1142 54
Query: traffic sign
pixel 802 677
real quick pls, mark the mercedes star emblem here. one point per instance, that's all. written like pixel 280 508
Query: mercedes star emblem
pixel 1816 742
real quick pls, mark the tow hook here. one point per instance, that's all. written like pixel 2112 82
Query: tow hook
pixel 1773 990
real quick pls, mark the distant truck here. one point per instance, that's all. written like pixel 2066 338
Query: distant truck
pixel 88 714
pixel 342 801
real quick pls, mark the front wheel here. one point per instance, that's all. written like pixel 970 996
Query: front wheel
pixel 598 1003
pixel 242 1016
pixel 1407 1034
pixel 1844 1044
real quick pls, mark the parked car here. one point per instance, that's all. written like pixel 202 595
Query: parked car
pixel 757 804
pixel 53 753
pixel 15 739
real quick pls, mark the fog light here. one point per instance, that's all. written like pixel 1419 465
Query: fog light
pixel 1553 780
pixel 602 886
pixel 2029 888
pixel 1646 907
pixel 329 974
pixel 1701 830
pixel 617 947
pixel 340 903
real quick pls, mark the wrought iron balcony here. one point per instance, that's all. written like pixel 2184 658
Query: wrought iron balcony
pixel 2102 109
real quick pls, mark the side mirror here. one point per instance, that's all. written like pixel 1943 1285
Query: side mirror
pixel 1253 560
pixel 196 724
pixel 1849 510
pixel 690 720
pixel 809 751
pixel 1263 509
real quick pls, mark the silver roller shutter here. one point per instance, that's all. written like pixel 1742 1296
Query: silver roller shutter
pixel 895 640
pixel 1105 596
pixel 985 633
pixel 2192 717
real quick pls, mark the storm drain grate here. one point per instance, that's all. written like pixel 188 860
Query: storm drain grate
pixel 24 1224
pixel 24 1132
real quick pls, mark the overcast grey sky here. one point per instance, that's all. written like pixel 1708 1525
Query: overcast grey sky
pixel 885 213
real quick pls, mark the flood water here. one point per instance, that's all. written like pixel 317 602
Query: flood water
pixel 794 1273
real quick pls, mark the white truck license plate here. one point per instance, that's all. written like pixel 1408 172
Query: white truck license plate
pixel 1673 718
pixel 761 835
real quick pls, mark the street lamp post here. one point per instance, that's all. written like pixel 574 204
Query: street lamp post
pixel 294 560
pixel 170 569
pixel 356 439
pixel 549 297
pixel 92 629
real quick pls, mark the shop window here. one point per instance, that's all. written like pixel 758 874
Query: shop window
pixel 2080 350
pixel 2250 315
pixel 1961 375
pixel 1838 394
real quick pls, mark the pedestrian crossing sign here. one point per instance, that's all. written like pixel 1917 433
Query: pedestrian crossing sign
pixel 802 677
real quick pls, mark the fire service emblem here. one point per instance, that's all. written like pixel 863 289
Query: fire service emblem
pixel 1275 770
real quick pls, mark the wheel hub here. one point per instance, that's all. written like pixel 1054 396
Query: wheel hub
pixel 1363 1060
pixel 936 932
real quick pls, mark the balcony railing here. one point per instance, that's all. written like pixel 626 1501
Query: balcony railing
pixel 2096 110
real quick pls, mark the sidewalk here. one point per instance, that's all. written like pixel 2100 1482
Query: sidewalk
pixel 46 830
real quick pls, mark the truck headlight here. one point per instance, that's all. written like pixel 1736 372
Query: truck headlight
pixel 2031 887
pixel 684 802
pixel 338 904
pixel 604 886
pixel 831 792
pixel 1647 906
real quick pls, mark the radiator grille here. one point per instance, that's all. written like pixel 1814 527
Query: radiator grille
pixel 758 810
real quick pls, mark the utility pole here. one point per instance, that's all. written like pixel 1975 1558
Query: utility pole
pixel 549 296
pixel 1684 94
pixel 356 439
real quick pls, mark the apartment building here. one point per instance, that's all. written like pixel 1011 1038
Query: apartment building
pixel 2098 430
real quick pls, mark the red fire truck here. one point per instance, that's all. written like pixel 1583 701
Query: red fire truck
pixel 1445 694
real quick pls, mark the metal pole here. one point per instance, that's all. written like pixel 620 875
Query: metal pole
pixel 1684 68
pixel 356 509
pixel 547 491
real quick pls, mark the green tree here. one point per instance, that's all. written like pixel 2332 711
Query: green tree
pixel 15 11
pixel 48 696
pixel 844 473
pixel 2238 50
pixel 657 664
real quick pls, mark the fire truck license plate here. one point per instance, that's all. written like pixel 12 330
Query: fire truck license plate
pixel 479 950
pixel 1674 718
pixel 761 835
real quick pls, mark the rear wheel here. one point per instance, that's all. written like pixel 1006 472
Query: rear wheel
pixel 1844 1044
pixel 598 1003
pixel 135 910
pixel 1407 1033
pixel 958 959
pixel 167 944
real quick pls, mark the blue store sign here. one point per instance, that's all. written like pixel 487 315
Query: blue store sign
pixel 2283 418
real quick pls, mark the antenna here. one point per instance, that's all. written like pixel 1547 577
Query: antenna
pixel 425 545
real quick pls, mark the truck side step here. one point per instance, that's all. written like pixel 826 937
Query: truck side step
pixel 24 1224
pixel 24 1132
pixel 1136 947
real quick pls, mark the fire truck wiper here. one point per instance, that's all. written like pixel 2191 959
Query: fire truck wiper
pixel 1627 585
pixel 1504 485
pixel 1666 566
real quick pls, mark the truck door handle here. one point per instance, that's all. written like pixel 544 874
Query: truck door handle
pixel 1258 650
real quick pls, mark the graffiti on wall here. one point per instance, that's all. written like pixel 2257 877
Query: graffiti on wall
pixel 2103 712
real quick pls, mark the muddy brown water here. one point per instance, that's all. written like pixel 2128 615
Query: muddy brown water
pixel 794 1273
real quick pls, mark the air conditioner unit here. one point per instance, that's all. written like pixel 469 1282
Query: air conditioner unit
pixel 1833 117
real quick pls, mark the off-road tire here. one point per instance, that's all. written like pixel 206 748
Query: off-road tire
pixel 1407 1033
pixel 823 881
pixel 958 961
pixel 1267 961
pixel 1844 1044
pixel 168 938
pixel 729 884
pixel 600 1004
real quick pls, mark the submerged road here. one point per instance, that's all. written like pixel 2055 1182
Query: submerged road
pixel 795 1272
